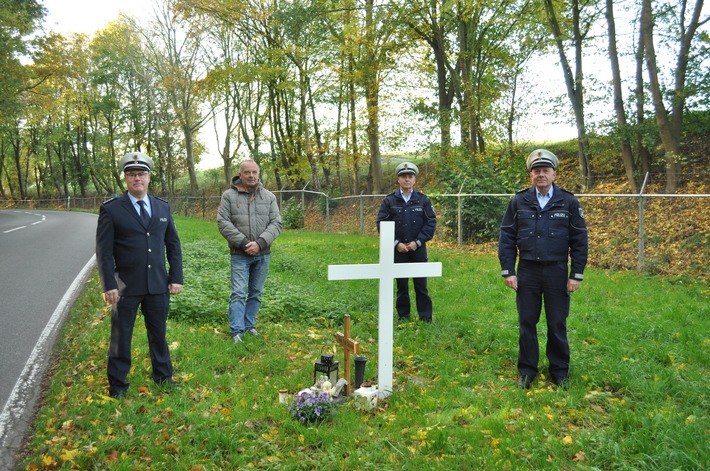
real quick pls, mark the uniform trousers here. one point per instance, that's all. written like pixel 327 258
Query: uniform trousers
pixel 123 316
pixel 403 304
pixel 538 281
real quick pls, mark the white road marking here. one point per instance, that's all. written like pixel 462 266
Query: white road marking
pixel 22 227
pixel 14 408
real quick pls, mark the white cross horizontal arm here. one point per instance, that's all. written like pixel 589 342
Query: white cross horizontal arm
pixel 373 272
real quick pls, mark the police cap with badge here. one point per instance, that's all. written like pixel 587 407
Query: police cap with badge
pixel 136 161
pixel 406 168
pixel 541 158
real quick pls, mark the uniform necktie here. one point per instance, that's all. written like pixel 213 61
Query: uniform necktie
pixel 144 213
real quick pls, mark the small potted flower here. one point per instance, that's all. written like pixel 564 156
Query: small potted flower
pixel 310 408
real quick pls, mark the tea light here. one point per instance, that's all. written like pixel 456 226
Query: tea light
pixel 283 396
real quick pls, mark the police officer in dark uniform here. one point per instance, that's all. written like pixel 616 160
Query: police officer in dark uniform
pixel 415 223
pixel 543 227
pixel 134 234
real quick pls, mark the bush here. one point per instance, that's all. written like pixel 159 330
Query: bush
pixel 479 174
pixel 293 215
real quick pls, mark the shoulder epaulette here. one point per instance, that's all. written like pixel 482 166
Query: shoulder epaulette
pixel 161 199
pixel 110 199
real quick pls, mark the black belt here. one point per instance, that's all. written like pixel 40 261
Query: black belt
pixel 544 262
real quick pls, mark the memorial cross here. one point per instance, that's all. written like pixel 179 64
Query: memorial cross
pixel 349 346
pixel 385 271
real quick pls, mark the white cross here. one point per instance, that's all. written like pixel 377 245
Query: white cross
pixel 385 271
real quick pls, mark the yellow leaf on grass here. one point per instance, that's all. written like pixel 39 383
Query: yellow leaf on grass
pixel 567 440
pixel 47 460
pixel 68 455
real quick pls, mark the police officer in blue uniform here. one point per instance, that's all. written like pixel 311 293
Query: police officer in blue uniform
pixel 135 233
pixel 415 223
pixel 543 227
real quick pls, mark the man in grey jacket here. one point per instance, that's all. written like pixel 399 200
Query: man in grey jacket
pixel 249 219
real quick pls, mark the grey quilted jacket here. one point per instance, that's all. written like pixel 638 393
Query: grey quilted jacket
pixel 244 217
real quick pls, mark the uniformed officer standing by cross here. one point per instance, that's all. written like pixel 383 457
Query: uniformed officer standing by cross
pixel 543 227
pixel 415 224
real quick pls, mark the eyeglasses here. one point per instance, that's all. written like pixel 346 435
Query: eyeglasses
pixel 137 174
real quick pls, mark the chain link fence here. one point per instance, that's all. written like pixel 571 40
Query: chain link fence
pixel 658 233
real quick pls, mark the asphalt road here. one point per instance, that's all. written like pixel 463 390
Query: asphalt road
pixel 45 258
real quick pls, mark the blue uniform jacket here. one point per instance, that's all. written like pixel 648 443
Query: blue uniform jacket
pixel 551 234
pixel 414 220
pixel 131 257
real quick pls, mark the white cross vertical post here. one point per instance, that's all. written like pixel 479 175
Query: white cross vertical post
pixel 385 271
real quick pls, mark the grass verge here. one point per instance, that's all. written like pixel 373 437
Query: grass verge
pixel 638 397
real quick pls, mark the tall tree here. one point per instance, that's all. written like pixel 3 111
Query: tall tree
pixel 670 124
pixel 627 155
pixel 575 81
pixel 18 20
pixel 174 55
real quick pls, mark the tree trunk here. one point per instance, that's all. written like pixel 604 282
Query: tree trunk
pixel 17 156
pixel 626 151
pixel 372 99
pixel 574 84
pixel 670 129
pixel 644 154
pixel 190 155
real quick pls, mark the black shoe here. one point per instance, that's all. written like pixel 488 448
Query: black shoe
pixel 561 382
pixel 117 394
pixel 167 385
pixel 524 382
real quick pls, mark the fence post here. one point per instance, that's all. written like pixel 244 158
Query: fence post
pixel 642 236
pixel 303 197
pixel 459 222
pixel 327 213
pixel 362 215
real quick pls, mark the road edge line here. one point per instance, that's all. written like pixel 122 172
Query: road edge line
pixel 14 409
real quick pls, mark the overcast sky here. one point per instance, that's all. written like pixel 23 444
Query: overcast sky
pixel 88 16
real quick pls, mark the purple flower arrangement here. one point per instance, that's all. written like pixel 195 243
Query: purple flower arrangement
pixel 311 408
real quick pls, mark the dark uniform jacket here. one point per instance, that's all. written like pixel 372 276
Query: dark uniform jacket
pixel 414 220
pixel 551 234
pixel 131 257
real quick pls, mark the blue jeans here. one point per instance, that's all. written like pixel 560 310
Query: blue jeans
pixel 249 274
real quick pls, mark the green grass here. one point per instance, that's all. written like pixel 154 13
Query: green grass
pixel 639 394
